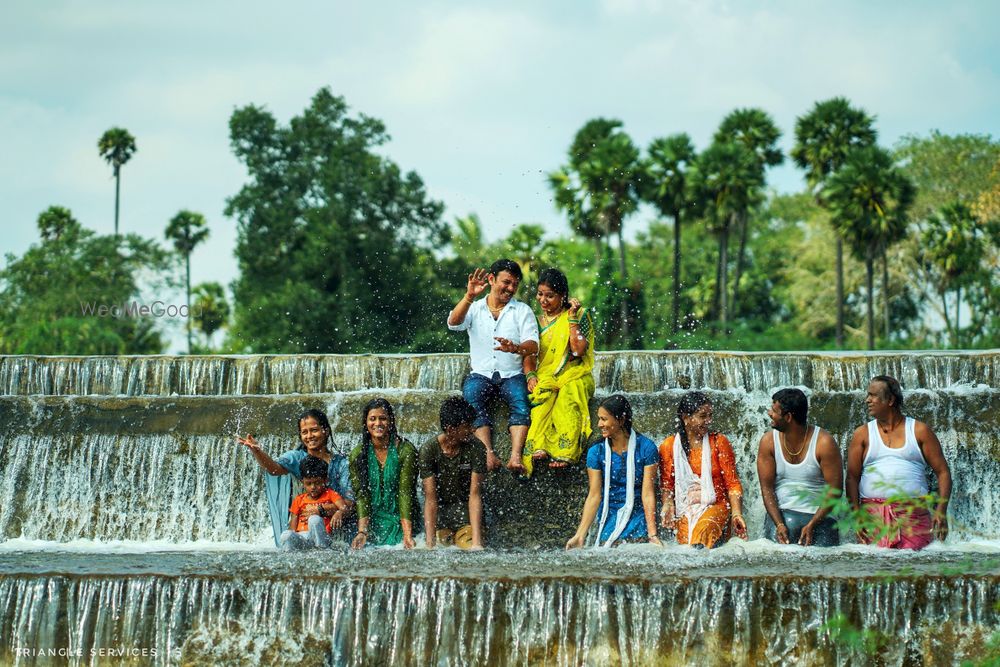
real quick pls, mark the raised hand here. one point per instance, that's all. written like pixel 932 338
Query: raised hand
pixel 478 282
pixel 574 308
pixel 248 442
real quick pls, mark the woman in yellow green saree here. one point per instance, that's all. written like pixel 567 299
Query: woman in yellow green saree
pixel 562 385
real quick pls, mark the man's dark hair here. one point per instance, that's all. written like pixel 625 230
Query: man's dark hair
pixel 556 281
pixel 313 467
pixel 508 265
pixel 456 411
pixel 794 402
pixel 892 389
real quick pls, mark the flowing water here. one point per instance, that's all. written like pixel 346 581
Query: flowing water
pixel 133 529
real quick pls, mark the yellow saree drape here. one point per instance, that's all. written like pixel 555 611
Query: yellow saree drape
pixel 560 416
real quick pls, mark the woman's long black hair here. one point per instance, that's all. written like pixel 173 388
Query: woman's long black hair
pixel 366 437
pixel 619 408
pixel 320 418
pixel 689 404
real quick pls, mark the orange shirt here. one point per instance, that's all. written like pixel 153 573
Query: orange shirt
pixel 724 477
pixel 303 500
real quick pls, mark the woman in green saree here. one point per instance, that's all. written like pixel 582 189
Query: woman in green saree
pixel 563 384
pixel 384 476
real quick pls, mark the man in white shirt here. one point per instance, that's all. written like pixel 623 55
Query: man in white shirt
pixel 502 332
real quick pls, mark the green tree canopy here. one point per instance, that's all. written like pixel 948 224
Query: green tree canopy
pixel 948 168
pixel 50 297
pixel 333 240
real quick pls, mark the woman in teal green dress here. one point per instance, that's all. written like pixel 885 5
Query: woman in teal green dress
pixel 384 478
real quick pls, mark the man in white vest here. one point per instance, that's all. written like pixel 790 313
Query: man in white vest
pixel 887 463
pixel 800 468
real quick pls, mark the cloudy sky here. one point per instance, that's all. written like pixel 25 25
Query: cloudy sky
pixel 481 99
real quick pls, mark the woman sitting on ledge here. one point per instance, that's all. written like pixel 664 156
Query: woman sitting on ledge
pixel 314 439
pixel 563 384
pixel 384 478
pixel 622 474
pixel 700 490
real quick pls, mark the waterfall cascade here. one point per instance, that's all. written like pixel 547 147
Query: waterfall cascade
pixel 101 455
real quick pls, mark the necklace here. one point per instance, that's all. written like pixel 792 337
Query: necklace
pixel 889 426
pixel 802 445
pixel 549 319
pixel 494 311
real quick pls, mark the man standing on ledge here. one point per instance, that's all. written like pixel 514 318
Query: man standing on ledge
pixel 887 476
pixel 502 331
pixel 799 467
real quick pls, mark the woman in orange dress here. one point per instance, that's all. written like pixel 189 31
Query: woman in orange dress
pixel 699 487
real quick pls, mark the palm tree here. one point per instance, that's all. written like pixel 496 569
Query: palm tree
pixel 667 187
pixel 756 131
pixel 869 197
pixel 187 229
pixel 599 187
pixel 729 179
pixel 117 147
pixel 954 244
pixel 210 309
pixel 823 139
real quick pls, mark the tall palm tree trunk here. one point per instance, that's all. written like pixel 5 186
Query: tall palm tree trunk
pixel 675 320
pixel 870 283
pixel 840 292
pixel 958 317
pixel 187 261
pixel 885 293
pixel 723 274
pixel 118 187
pixel 740 259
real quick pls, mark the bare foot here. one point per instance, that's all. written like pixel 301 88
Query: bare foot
pixel 557 464
pixel 540 455
pixel 515 465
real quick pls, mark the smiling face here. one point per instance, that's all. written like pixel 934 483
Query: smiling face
pixel 313 435
pixel 607 424
pixel 550 300
pixel 503 287
pixel 697 424
pixel 779 418
pixel 878 400
pixel 314 486
pixel 378 424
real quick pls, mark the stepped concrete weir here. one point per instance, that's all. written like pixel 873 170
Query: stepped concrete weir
pixel 131 520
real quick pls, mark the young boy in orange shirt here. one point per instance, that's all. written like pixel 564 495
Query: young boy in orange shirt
pixel 309 515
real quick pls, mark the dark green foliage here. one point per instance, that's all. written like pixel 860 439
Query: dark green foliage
pixel 210 310
pixel 333 239
pixel 45 293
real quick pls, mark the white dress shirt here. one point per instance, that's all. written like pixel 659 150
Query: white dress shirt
pixel 516 323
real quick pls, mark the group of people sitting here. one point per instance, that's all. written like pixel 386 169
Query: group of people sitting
pixel 542 369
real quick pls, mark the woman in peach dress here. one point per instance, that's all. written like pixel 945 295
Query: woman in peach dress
pixel 699 487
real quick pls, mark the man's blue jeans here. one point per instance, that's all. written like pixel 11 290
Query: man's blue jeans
pixel 483 392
